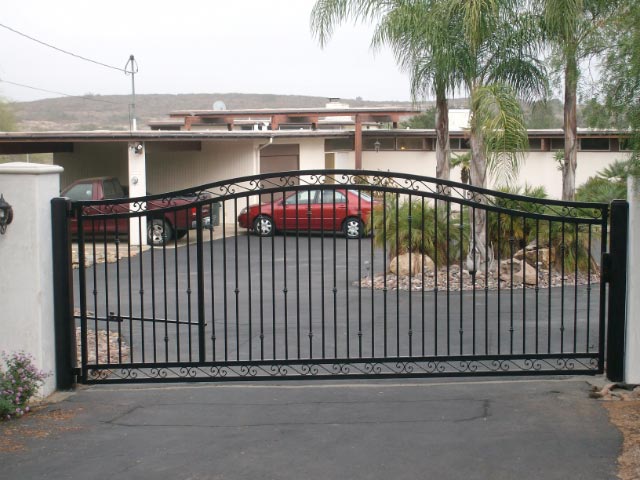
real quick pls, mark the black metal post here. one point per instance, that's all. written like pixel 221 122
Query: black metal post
pixel 65 331
pixel 200 266
pixel 617 290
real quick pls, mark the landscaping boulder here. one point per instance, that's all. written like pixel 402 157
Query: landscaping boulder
pixel 419 264
pixel 522 272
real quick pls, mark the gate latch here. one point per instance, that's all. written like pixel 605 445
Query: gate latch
pixel 606 267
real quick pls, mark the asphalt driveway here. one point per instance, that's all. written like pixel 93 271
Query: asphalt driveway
pixel 542 428
pixel 299 297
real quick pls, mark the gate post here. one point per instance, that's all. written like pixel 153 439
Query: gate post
pixel 617 290
pixel 63 294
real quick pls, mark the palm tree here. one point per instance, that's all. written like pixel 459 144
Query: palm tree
pixel 421 43
pixel 574 31
pixel 500 62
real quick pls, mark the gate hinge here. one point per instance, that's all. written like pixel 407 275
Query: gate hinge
pixel 606 267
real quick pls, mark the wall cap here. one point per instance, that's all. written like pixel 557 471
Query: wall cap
pixel 24 168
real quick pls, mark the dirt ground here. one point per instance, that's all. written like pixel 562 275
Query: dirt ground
pixel 623 404
pixel 626 416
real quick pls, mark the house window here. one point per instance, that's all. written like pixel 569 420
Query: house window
pixel 459 144
pixel 535 144
pixel 385 143
pixel 595 144
pixel 410 143
pixel 557 144
pixel 336 144
pixel 626 145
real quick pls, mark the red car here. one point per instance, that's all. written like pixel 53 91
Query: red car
pixel 317 210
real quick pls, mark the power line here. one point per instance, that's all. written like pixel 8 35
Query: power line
pixel 60 93
pixel 63 51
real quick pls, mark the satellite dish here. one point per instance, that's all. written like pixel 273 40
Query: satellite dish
pixel 219 105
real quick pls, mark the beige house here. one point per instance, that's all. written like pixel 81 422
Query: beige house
pixel 194 148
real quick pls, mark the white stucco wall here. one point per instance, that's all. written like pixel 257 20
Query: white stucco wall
pixel 225 159
pixel 632 337
pixel 26 276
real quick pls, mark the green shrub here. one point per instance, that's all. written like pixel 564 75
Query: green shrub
pixel 415 226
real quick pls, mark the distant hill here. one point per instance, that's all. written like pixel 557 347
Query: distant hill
pixel 111 112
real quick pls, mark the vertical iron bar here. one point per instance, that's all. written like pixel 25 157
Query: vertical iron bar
pixel 153 300
pixel 236 290
pixel 273 278
pixel 285 290
pixel 537 278
pixel 177 283
pixel 106 291
pixel 575 292
pixel 410 286
pixel 212 280
pixel 94 270
pixel 617 290
pixel 498 275
pixel 473 277
pixel 322 194
pixel 524 285
pixel 249 287
pixel 298 275
pixel 384 270
pixel 166 302
pixel 602 319
pixel 485 213
pixel 224 281
pixel 309 270
pixel 588 291
pixel 335 278
pixel 82 281
pixel 423 273
pixel 460 272
pixel 563 258
pixel 551 249
pixel 511 243
pixel 65 330
pixel 140 263
pixel 397 252
pixel 361 233
pixel 119 302
pixel 436 243
pixel 200 274
pixel 447 261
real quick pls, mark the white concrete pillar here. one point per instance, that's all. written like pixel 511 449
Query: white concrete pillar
pixel 26 269
pixel 632 337
pixel 137 188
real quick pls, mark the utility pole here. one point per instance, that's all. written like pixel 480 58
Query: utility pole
pixel 132 68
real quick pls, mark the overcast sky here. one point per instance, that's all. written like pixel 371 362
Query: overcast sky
pixel 197 46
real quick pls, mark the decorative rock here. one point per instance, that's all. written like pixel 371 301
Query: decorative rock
pixel 400 265
pixel 520 269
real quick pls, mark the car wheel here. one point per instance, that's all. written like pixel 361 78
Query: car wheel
pixel 353 227
pixel 181 234
pixel 263 226
pixel 159 232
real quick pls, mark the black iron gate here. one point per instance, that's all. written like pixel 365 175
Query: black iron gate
pixel 333 274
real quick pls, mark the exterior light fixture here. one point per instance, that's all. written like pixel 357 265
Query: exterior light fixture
pixel 138 148
pixel 6 214
pixel 376 145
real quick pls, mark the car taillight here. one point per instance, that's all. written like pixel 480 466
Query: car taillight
pixel 193 212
